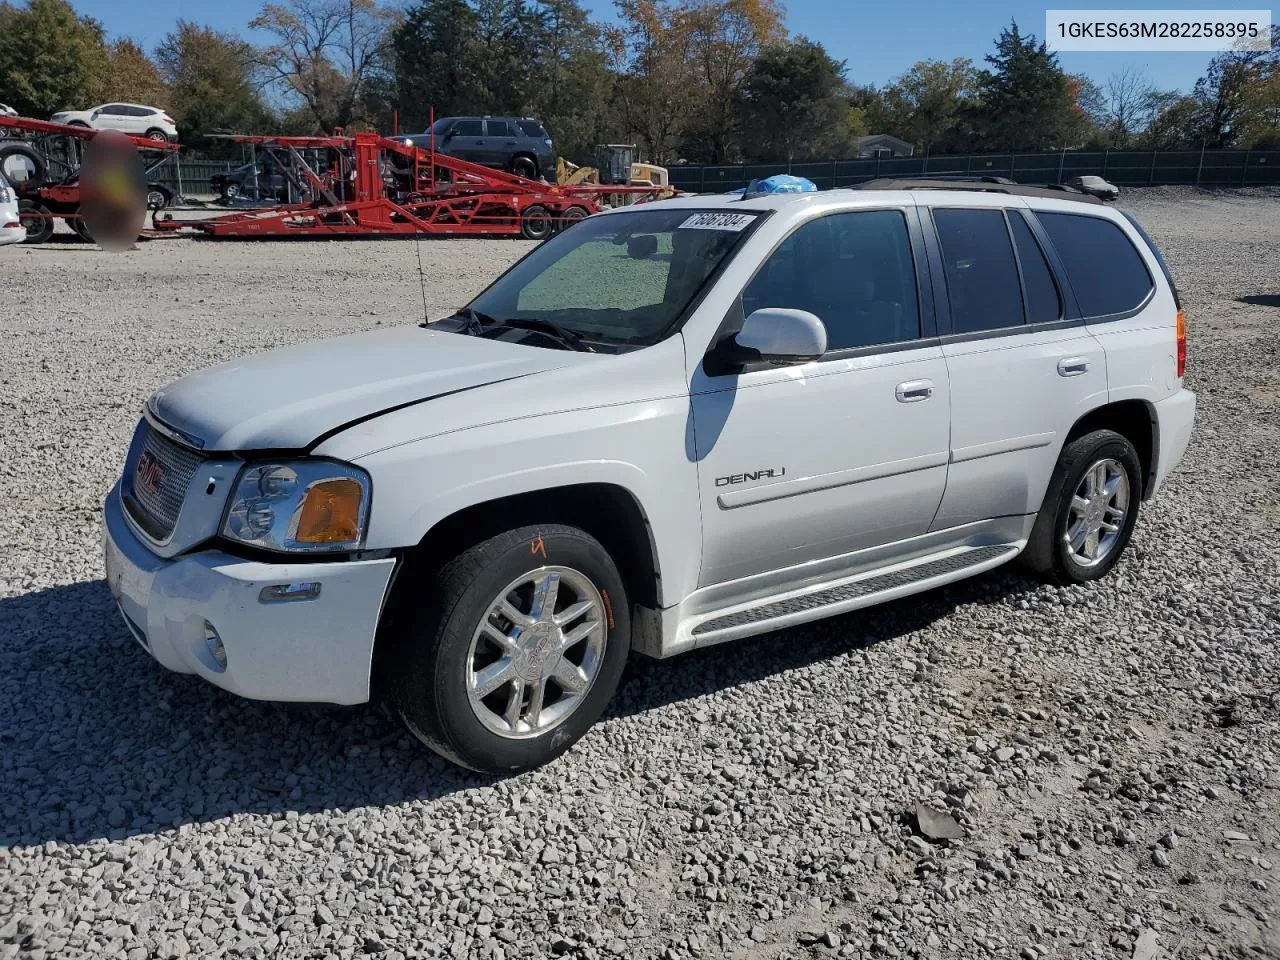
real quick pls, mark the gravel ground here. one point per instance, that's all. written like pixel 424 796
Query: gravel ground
pixel 1110 751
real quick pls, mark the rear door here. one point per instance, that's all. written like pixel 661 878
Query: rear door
pixel 1023 367
pixel 500 143
pixel 813 461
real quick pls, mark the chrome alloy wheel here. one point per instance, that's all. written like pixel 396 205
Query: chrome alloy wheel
pixel 536 653
pixel 1097 513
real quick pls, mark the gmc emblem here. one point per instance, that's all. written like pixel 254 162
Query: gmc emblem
pixel 149 474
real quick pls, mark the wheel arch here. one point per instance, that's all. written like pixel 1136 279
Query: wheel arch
pixel 1136 421
pixel 609 512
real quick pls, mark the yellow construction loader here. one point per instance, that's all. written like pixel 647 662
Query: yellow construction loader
pixel 615 160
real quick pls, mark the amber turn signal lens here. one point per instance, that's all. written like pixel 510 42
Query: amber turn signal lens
pixel 331 512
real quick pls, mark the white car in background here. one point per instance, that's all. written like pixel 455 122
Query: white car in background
pixel 7 111
pixel 11 229
pixel 131 118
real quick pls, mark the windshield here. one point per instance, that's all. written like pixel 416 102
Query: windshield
pixel 441 125
pixel 622 278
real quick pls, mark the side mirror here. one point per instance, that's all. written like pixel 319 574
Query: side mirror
pixel 779 336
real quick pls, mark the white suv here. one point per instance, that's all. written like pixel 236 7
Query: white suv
pixel 135 119
pixel 671 425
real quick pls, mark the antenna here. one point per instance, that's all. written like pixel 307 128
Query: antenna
pixel 417 243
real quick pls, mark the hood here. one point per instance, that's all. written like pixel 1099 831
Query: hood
pixel 288 398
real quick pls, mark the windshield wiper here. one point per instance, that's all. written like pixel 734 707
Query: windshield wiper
pixel 570 338
pixel 477 324
pixel 474 322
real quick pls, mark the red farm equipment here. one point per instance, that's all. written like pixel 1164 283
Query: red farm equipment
pixel 368 185
pixel 49 156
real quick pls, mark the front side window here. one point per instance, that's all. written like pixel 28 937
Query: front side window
pixel 623 278
pixel 1106 273
pixel 854 271
pixel 468 128
pixel 981 273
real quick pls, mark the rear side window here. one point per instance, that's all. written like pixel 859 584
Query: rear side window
pixel 982 275
pixel 532 128
pixel 1164 266
pixel 1044 305
pixel 498 128
pixel 1105 271
pixel 854 271
pixel 468 128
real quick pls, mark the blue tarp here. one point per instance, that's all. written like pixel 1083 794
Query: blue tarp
pixel 778 183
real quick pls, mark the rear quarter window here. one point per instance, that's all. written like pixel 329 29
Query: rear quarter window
pixel 532 128
pixel 1105 270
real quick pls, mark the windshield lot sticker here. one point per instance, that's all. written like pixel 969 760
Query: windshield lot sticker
pixel 717 221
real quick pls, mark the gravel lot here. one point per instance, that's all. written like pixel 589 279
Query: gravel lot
pixel 1112 751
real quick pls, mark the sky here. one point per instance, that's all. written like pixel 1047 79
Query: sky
pixel 877 40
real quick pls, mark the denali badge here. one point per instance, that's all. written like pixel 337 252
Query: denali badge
pixel 149 474
pixel 769 473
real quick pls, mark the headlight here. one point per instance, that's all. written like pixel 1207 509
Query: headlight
pixel 299 505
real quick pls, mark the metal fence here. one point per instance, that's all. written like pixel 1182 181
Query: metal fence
pixel 1132 168
pixel 196 172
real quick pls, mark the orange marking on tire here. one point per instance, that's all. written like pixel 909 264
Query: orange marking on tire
pixel 538 547
pixel 608 607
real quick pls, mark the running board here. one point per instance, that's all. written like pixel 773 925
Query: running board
pixel 851 593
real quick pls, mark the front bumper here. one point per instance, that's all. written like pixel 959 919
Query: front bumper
pixel 12 234
pixel 318 650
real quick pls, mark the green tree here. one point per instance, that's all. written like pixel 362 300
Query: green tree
pixel 1026 101
pixel 655 93
pixel 1226 88
pixel 212 89
pixel 1175 122
pixel 569 82
pixel 930 104
pixel 794 105
pixel 50 58
pixel 725 37
pixel 132 76
pixel 437 62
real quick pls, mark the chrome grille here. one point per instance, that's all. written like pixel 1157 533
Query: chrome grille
pixel 156 509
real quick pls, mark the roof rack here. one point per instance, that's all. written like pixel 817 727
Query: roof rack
pixel 943 181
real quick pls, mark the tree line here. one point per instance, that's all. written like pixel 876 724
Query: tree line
pixel 714 81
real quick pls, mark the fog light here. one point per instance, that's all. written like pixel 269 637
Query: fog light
pixel 214 644
pixel 289 592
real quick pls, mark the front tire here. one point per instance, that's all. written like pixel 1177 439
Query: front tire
pixel 507 654
pixel 1089 511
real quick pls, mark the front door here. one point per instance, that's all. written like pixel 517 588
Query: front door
pixel 466 140
pixel 808 462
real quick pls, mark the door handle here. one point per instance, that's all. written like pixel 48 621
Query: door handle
pixel 913 391
pixel 1073 366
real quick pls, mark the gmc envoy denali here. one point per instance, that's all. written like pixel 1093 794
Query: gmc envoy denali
pixel 672 425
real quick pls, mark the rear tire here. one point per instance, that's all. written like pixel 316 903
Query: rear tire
pixel 157 135
pixel 536 223
pixel 1089 510
pixel 548 671
pixel 525 167
pixel 572 215
pixel 37 220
